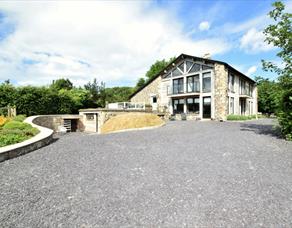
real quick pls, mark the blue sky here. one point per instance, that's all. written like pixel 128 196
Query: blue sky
pixel 117 41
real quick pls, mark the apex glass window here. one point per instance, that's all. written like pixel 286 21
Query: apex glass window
pixel 176 72
pixel 205 67
pixel 188 65
pixel 181 67
pixel 195 68
pixel 207 82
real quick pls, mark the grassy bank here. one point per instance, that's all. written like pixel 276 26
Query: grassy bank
pixel 15 130
pixel 128 121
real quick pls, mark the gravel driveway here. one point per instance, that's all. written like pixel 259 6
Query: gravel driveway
pixel 203 174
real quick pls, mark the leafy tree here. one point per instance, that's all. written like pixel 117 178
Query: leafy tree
pixel 140 83
pixel 78 99
pixel 155 68
pixel 279 34
pixel 62 84
pixel 97 93
pixel 158 66
pixel 268 95
pixel 30 100
pixel 7 94
pixel 118 94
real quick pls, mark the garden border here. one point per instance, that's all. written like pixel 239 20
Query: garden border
pixel 43 138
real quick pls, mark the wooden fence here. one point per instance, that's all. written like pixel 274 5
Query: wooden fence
pixel 9 111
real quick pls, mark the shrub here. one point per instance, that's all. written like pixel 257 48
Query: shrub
pixel 285 116
pixel 3 120
pixel 19 118
pixel 11 138
pixel 239 117
pixel 17 125
pixel 15 132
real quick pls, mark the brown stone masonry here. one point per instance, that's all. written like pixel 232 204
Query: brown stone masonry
pixel 220 92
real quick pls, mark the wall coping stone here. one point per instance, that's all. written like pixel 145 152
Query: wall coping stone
pixel 134 129
pixel 94 110
pixel 43 138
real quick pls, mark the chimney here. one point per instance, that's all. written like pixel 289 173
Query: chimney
pixel 207 56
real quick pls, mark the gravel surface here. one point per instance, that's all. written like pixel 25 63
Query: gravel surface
pixel 187 173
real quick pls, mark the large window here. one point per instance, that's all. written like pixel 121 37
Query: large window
pixel 193 104
pixel 178 86
pixel 193 83
pixel 206 82
pixel 250 88
pixel 178 105
pixel 242 88
pixel 231 82
pixel 231 105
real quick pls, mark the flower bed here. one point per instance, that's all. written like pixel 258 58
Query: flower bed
pixel 15 130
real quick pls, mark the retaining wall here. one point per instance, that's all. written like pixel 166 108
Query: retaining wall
pixel 43 138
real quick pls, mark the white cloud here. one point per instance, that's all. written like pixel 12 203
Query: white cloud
pixel 251 70
pixel 204 25
pixel 112 41
pixel 253 41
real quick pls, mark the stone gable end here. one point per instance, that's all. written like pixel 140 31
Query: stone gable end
pixel 144 94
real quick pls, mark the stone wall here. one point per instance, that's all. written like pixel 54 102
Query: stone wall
pixel 101 116
pixel 55 121
pixel 220 92
pixel 51 122
pixel 144 94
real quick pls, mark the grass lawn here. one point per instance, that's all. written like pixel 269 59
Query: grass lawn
pixel 128 121
pixel 14 130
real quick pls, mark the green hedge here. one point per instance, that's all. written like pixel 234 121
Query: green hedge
pixel 239 117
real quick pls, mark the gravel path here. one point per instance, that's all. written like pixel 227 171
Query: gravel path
pixel 204 174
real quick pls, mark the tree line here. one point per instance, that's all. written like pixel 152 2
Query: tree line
pixel 60 97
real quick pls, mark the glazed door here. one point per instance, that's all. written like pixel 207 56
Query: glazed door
pixel 207 107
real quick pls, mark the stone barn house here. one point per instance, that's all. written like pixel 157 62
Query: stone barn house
pixel 201 88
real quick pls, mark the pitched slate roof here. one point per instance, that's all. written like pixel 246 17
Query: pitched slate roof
pixel 185 56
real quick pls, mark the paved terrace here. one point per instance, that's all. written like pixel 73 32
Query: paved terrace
pixel 183 174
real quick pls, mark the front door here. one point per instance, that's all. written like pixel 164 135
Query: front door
pixel 154 103
pixel 207 107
